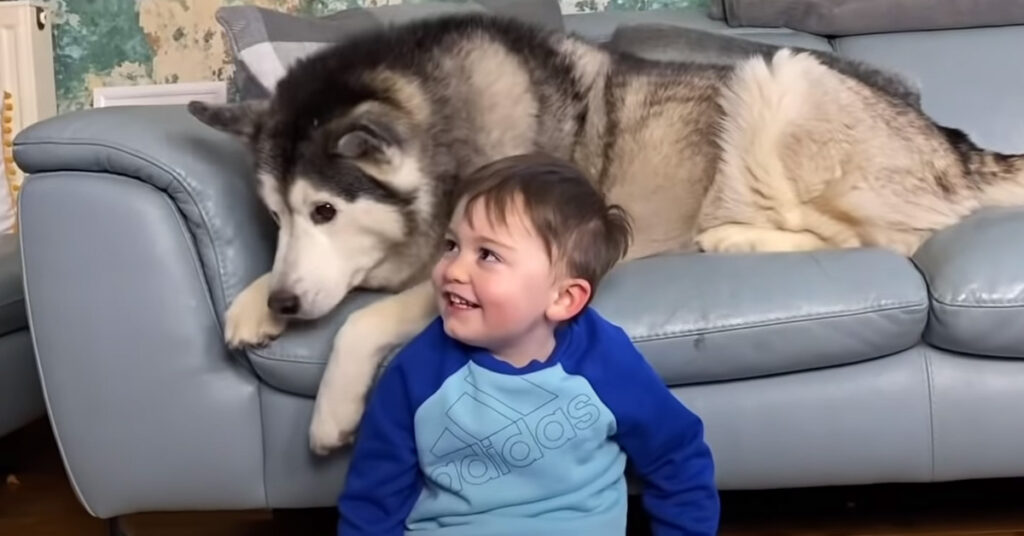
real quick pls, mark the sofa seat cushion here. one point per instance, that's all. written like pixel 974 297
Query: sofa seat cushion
pixel 12 294
pixel 975 276
pixel 704 318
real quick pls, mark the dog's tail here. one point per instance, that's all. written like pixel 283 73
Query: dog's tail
pixel 998 178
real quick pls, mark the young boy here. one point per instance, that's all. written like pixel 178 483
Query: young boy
pixel 515 411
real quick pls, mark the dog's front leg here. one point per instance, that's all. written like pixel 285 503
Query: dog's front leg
pixel 360 346
pixel 249 321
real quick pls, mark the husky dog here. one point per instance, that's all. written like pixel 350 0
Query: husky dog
pixel 361 146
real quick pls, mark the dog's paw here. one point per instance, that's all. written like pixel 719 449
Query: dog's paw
pixel 251 327
pixel 334 425
pixel 249 322
pixel 726 239
pixel 741 238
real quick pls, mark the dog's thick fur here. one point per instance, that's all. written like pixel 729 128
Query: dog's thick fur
pixel 361 146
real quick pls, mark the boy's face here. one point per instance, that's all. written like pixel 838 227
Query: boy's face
pixel 496 286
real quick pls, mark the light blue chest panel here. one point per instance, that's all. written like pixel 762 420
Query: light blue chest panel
pixel 535 447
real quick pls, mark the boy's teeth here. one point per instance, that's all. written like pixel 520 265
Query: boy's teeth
pixel 457 300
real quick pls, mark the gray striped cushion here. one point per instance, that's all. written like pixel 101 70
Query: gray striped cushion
pixel 265 42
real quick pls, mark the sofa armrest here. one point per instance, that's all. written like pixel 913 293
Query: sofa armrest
pixel 135 224
pixel 975 275
pixel 207 174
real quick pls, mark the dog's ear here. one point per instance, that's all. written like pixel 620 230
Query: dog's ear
pixel 239 119
pixel 364 141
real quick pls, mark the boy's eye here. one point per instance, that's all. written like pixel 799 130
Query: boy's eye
pixel 449 245
pixel 488 255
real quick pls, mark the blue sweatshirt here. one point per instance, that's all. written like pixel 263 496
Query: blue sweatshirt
pixel 456 442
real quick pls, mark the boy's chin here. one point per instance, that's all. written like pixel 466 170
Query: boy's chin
pixel 459 333
pixel 452 330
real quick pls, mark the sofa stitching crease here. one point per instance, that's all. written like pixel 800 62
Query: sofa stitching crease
pixel 797 319
pixel 158 165
pixel 782 320
pixel 931 406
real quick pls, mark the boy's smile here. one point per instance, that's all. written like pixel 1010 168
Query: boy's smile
pixel 458 303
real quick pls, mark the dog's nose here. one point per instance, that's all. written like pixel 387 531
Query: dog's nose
pixel 283 302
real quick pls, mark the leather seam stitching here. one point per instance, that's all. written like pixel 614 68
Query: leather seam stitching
pixel 780 321
pixel 156 164
pixel 907 306
pixel 931 406
pixel 1005 305
pixel 929 285
pixel 180 219
pixel 263 448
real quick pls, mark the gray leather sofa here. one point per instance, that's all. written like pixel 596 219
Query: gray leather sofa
pixel 21 397
pixel 837 367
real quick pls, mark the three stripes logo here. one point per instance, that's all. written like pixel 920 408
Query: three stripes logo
pixel 486 438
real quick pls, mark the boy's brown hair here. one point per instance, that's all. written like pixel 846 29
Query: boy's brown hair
pixel 582 233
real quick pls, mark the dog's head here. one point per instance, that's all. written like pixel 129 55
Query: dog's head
pixel 346 188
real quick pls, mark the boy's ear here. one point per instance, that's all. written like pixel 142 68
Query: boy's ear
pixel 572 296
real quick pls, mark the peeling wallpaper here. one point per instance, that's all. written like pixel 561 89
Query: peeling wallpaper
pixel 126 42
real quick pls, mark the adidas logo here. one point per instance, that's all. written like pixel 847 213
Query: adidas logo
pixel 487 438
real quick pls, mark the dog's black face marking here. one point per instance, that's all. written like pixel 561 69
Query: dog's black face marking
pixel 327 158
pixel 345 179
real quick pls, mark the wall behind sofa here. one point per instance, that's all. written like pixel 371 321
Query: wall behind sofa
pixel 129 42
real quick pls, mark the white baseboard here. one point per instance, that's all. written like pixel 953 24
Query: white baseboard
pixel 212 92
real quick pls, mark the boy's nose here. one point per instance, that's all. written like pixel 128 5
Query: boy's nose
pixel 455 272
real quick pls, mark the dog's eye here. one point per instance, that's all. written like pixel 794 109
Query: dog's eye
pixel 323 213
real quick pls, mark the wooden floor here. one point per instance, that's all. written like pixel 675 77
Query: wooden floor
pixel 36 500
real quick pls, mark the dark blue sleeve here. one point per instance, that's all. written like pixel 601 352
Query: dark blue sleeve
pixel 383 480
pixel 663 440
